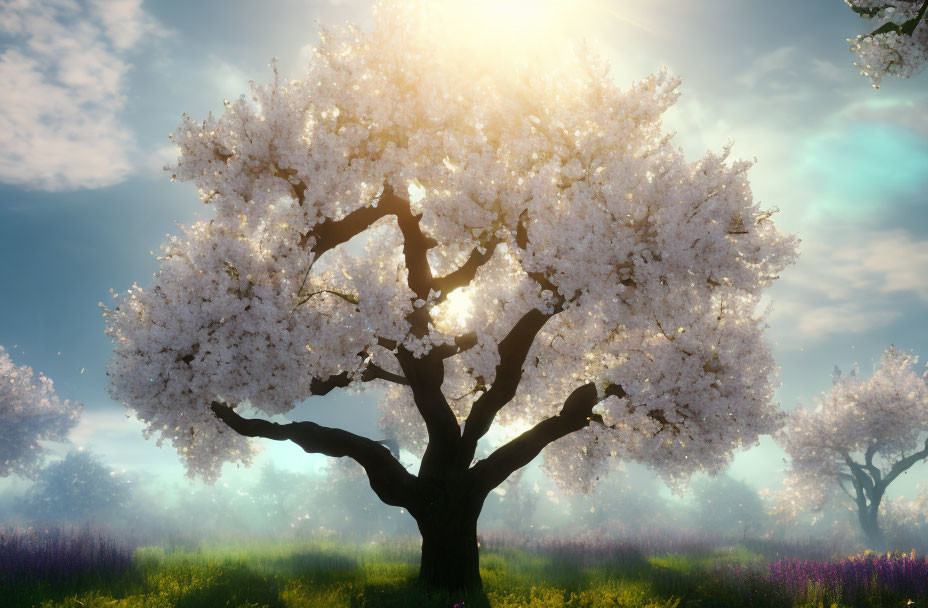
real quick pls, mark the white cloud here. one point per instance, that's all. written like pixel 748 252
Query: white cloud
pixel 848 280
pixel 162 157
pixel 909 111
pixel 64 71
pixel 228 79
pixel 770 66
pixel 125 22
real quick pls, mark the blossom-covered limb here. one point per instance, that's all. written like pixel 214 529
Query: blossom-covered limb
pixel 899 45
pixel 539 277
pixel 575 414
pixel 389 480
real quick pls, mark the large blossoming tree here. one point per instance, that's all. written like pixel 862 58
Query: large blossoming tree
pixel 899 45
pixel 861 437
pixel 30 412
pixel 495 242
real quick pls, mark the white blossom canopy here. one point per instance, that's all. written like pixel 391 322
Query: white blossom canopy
pixel 863 433
pixel 521 231
pixel 30 412
pixel 899 44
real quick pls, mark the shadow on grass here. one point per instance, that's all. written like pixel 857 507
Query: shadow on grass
pixel 318 562
pixel 408 594
pixel 231 586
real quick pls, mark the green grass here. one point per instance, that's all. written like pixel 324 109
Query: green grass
pixel 330 575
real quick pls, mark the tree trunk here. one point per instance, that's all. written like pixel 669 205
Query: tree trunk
pixel 450 559
pixel 871 527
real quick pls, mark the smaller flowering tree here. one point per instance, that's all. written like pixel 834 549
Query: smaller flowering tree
pixel 899 45
pixel 76 490
pixel 862 436
pixel 30 412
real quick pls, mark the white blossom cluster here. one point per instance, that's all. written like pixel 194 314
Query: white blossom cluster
pixel 886 414
pixel 906 514
pixel 30 412
pixel 658 262
pixel 891 53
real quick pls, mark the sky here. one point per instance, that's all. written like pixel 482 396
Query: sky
pixel 93 88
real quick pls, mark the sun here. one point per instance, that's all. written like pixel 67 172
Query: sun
pixel 503 35
pixel 509 20
pixel 455 311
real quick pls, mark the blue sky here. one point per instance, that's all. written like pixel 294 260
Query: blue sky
pixel 99 85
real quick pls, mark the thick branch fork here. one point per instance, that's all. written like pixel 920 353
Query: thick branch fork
pixel 577 413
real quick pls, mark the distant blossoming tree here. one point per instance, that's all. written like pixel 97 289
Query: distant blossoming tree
pixel 899 46
pixel 76 490
pixel 493 240
pixel 30 412
pixel 861 438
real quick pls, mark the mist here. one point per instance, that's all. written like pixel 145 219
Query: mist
pixel 272 503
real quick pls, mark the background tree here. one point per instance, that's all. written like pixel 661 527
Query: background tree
pixel 30 412
pixel 904 521
pixel 510 509
pixel 360 515
pixel 625 502
pixel 77 490
pixel 500 240
pixel 899 45
pixel 727 506
pixel 862 436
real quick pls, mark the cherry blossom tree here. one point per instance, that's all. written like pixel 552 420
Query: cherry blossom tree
pixel 899 45
pixel 30 412
pixel 498 242
pixel 861 437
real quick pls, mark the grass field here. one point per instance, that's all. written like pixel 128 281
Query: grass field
pixel 547 574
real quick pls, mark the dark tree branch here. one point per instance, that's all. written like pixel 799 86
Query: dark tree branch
pixel 868 462
pixel 375 372
pixel 461 344
pixel 415 244
pixel 332 233
pixel 860 474
pixel 861 497
pixel 513 350
pixel 342 380
pixel 575 415
pixel 842 479
pixel 389 480
pixel 906 463
pixel 425 376
pixel 463 276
